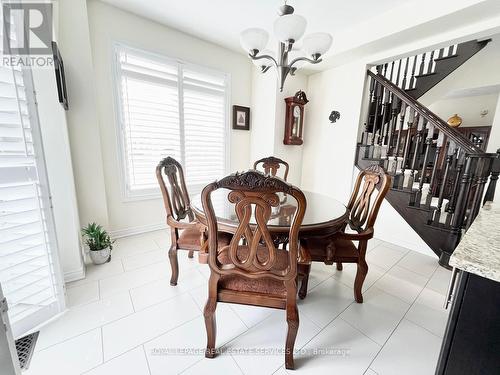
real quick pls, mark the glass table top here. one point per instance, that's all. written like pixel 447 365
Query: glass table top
pixel 320 209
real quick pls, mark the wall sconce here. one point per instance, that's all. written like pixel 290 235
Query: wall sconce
pixel 334 116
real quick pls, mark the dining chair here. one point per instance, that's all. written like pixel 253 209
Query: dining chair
pixel 254 271
pixel 186 232
pixel 340 247
pixel 271 165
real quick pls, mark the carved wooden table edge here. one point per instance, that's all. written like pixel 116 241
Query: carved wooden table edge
pixel 323 229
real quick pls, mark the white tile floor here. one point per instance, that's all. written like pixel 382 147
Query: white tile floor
pixel 124 317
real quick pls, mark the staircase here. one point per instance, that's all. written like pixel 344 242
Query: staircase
pixel 439 175
pixel 418 74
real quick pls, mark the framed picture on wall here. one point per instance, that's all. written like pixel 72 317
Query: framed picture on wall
pixel 241 117
pixel 60 77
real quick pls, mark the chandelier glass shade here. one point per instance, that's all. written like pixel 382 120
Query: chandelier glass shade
pixel 288 29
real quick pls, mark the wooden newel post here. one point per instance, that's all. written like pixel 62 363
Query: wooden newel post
pixel 463 193
pixel 495 171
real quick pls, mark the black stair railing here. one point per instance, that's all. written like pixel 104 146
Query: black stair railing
pixel 442 171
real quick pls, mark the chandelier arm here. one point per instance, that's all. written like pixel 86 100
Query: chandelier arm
pixel 267 57
pixel 304 59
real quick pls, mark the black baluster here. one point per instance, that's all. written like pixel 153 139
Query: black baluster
pixel 416 153
pixel 379 91
pixel 412 79
pixel 440 53
pixel 482 171
pixel 432 181
pixel 431 63
pixel 405 74
pixel 395 108
pixel 422 64
pixel 463 194
pixel 437 212
pixel 365 139
pixel 450 51
pixel 402 115
pixel 399 73
pixel 495 172
pixel 392 71
pixel 458 172
pixel 406 150
pixel 385 118
pixel 428 145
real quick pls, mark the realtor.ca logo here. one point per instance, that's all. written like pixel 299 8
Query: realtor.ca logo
pixel 27 37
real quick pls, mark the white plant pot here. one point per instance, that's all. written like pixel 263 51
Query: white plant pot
pixel 100 256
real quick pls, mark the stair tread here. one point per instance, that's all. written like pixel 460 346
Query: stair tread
pixel 445 57
pixel 425 75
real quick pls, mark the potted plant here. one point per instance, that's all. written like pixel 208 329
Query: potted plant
pixel 99 242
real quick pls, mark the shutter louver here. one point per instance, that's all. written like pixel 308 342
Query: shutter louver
pixel 150 115
pixel 204 127
pixel 167 109
pixel 26 266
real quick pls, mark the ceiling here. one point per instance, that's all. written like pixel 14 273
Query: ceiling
pixel 221 21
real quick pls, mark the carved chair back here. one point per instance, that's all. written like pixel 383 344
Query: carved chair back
pixel 362 205
pixel 177 203
pixel 271 166
pixel 254 194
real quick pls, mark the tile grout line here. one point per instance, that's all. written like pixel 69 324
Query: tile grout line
pixel 102 346
pixel 395 328
pixel 114 320
pixel 151 339
pixel 357 329
pixel 146 358
pixel 105 362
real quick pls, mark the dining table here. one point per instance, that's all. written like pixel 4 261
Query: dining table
pixel 324 216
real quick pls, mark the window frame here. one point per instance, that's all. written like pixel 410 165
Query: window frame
pixel 128 194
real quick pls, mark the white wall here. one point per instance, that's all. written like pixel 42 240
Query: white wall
pixel 468 108
pixel 83 123
pixel 108 24
pixel 60 173
pixel 262 114
pixel 268 120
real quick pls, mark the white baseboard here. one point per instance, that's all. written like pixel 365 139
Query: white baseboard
pixel 74 275
pixel 136 230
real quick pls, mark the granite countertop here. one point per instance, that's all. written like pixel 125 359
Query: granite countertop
pixel 479 250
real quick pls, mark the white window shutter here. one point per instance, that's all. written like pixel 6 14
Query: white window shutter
pixel 28 263
pixel 170 109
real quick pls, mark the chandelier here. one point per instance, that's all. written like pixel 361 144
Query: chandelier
pixel 288 29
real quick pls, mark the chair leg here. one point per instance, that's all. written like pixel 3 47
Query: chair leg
pixel 174 264
pixel 360 278
pixel 339 266
pixel 305 270
pixel 292 319
pixel 191 254
pixel 209 315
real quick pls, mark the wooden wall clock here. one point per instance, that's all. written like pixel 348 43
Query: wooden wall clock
pixel 294 119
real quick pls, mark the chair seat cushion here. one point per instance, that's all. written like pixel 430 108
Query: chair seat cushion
pixel 189 239
pixel 264 285
pixel 343 249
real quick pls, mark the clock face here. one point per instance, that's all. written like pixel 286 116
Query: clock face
pixel 296 111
